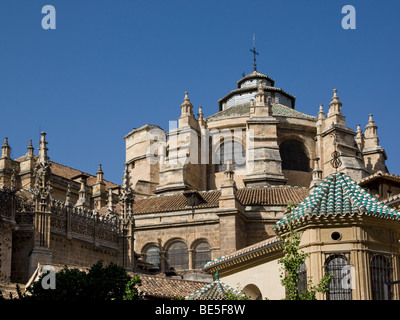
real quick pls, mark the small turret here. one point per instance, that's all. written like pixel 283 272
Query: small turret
pixel 187 118
pixel 335 115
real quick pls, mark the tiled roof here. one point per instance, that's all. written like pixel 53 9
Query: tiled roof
pixel 377 175
pixel 275 195
pixel 162 287
pixel 68 173
pixel 392 199
pixel 338 195
pixel 174 202
pixel 243 110
pixel 215 290
pixel 246 253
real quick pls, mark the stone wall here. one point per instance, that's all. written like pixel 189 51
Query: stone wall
pixel 77 237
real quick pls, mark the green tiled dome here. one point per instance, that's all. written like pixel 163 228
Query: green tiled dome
pixel 216 290
pixel 338 194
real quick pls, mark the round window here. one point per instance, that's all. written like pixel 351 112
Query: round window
pixel 335 235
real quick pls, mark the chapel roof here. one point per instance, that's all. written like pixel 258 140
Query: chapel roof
pixel 338 195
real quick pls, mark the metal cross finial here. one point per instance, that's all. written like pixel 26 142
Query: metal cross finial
pixel 254 52
pixel 335 162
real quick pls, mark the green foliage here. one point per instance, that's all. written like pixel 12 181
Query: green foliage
pixel 131 290
pixel 291 265
pixel 100 283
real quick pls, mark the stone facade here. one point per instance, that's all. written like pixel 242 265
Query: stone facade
pixel 36 227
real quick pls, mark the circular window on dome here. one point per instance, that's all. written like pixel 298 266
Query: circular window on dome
pixel 335 235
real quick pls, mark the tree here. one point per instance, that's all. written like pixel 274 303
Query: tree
pixel 292 262
pixel 131 289
pixel 100 283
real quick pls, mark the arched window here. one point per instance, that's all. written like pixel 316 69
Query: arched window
pixel 339 287
pixel 153 256
pixel 202 254
pixel 381 272
pixel 233 152
pixel 252 291
pixel 177 256
pixel 302 285
pixel 294 156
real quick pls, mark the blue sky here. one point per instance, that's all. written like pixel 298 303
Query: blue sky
pixel 111 66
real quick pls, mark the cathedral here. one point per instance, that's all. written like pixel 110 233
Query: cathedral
pixel 207 188
pixel 220 183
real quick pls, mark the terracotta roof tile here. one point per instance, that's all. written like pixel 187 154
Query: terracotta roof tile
pixel 377 175
pixel 157 286
pixel 68 173
pixel 272 195
pixel 174 202
pixel 247 196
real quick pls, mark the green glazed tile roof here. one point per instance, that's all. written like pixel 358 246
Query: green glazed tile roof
pixel 338 195
pixel 214 291
pixel 243 110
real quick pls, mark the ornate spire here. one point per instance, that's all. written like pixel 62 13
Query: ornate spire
pixel 371 133
pixel 126 197
pixel 335 105
pixel 186 106
pixel 200 118
pixel 42 189
pixel 100 174
pixel 321 113
pixel 30 149
pixel 43 148
pixel 5 149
